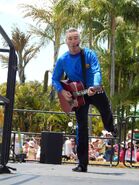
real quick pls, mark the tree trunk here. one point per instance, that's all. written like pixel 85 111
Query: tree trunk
pixel 112 80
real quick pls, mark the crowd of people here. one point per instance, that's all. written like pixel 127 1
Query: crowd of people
pixel 102 148
pixel 129 149
pixel 29 147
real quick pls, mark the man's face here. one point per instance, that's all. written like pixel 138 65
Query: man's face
pixel 73 41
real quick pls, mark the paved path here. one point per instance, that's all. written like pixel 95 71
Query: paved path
pixel 48 174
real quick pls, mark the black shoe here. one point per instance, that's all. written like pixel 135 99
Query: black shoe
pixel 115 132
pixel 80 168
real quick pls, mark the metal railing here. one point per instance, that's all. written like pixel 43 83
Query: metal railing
pixel 131 162
pixel 122 128
pixel 113 140
pixel 8 102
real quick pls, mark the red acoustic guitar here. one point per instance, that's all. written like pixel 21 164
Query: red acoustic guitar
pixel 77 90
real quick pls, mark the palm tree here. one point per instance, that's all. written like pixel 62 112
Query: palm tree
pixel 109 12
pixel 127 46
pixel 50 23
pixel 131 16
pixel 25 51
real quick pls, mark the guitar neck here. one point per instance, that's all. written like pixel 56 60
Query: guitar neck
pixel 80 93
pixel 97 89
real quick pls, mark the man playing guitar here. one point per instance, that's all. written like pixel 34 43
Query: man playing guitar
pixel 70 64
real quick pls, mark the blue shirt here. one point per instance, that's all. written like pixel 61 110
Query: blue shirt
pixel 71 65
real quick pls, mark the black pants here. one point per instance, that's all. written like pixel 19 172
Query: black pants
pixel 101 102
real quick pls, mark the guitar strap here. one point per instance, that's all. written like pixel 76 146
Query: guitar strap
pixel 83 66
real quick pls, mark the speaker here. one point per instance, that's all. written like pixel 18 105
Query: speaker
pixel 51 147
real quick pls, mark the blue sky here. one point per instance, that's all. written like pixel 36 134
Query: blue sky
pixel 10 15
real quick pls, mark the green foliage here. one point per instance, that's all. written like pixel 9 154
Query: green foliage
pixel 97 126
pixel 30 96
pixel 58 122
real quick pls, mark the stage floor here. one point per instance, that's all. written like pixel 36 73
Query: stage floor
pixel 31 173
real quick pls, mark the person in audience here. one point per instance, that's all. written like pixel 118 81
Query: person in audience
pixel 131 149
pixel 25 148
pixel 109 148
pixel 31 151
pixel 93 153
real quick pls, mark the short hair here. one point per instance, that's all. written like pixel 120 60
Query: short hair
pixel 71 30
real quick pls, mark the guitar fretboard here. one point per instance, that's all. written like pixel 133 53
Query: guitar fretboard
pixel 80 93
pixel 98 89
